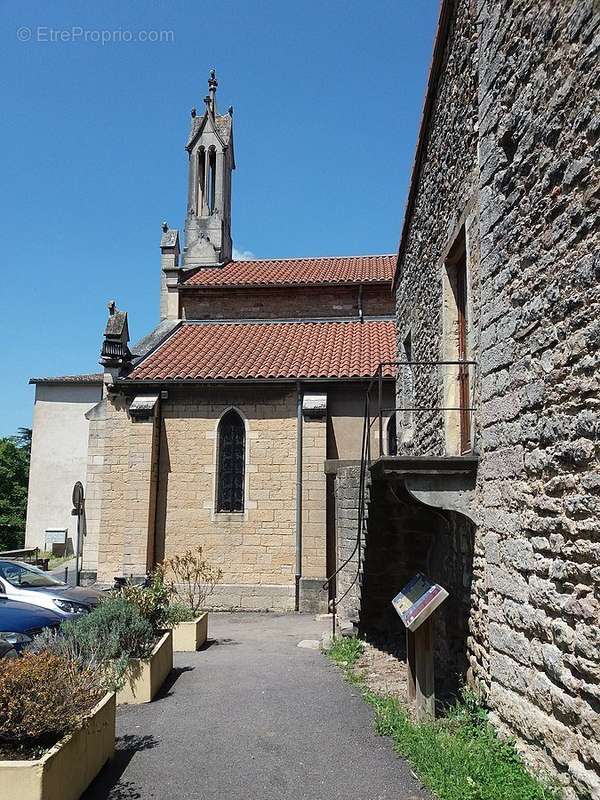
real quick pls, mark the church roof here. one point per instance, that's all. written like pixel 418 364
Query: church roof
pixel 297 272
pixel 222 124
pixel 271 350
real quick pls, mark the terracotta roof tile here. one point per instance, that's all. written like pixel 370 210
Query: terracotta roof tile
pixel 297 271
pixel 282 350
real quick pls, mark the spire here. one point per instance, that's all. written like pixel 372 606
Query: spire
pixel 211 161
pixel 212 90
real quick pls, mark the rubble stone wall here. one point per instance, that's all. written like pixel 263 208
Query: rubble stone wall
pixel 540 337
pixel 512 150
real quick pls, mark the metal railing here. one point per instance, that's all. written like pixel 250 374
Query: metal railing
pixel 426 378
pixel 459 381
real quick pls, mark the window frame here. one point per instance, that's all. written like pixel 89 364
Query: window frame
pixel 228 505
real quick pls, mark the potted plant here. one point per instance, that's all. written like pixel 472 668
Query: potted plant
pixel 57 727
pixel 133 657
pixel 150 652
pixel 193 579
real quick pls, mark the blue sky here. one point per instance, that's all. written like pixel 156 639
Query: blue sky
pixel 327 99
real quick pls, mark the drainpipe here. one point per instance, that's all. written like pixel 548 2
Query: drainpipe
pixel 298 492
pixel 360 303
pixel 151 558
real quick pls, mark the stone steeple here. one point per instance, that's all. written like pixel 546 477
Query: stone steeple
pixel 211 161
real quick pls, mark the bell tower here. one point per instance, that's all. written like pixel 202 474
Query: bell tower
pixel 211 161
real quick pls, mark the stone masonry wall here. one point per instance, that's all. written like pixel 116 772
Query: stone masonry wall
pixel 540 338
pixel 268 303
pixel 314 453
pixel 121 477
pixel 347 484
pixel 446 196
pixel 256 549
pixel 518 162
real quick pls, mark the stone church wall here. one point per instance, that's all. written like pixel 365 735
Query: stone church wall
pixel 255 550
pixel 510 150
pixel 286 303
pixel 131 523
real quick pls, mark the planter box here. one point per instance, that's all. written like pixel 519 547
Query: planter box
pixel 144 677
pixel 190 636
pixel 68 768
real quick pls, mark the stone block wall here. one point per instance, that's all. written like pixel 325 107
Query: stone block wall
pixel 121 480
pixel 446 200
pixel 255 549
pixel 314 487
pixel 511 151
pixel 348 580
pixel 540 336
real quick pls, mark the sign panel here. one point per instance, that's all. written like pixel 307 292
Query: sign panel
pixel 418 600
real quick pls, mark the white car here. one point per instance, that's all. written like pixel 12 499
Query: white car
pixel 27 584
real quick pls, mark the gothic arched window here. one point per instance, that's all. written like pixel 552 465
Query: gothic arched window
pixel 201 181
pixel 231 466
pixel 212 178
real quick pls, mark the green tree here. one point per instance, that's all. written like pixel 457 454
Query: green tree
pixel 14 475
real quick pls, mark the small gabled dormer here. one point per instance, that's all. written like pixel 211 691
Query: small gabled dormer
pixel 211 161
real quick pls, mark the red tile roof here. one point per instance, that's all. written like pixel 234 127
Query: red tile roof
pixel 279 350
pixel 297 272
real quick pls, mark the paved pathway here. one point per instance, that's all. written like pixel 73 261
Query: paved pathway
pixel 254 717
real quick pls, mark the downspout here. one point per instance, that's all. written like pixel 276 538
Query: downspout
pixel 298 493
pixel 360 303
pixel 152 556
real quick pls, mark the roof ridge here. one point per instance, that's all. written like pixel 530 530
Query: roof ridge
pixel 305 258
pixel 299 321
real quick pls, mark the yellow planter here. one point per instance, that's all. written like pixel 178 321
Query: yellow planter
pixel 68 768
pixel 190 636
pixel 144 677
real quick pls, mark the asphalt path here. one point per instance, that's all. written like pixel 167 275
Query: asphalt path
pixel 253 716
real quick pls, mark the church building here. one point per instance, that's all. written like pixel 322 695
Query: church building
pixel 225 425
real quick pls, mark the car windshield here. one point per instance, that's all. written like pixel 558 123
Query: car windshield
pixel 24 577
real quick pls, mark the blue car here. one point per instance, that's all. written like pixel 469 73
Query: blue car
pixel 20 622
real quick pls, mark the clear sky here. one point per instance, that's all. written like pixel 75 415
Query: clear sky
pixel 327 99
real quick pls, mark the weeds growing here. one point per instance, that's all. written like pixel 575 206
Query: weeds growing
pixel 459 756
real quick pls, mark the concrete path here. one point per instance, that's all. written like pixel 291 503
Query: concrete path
pixel 254 717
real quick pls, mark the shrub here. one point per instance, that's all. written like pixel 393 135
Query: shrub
pixel 104 640
pixel 179 612
pixel 43 696
pixel 194 578
pixel 152 601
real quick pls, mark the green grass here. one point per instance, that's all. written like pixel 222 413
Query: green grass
pixel 459 756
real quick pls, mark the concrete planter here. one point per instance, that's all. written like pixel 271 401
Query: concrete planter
pixel 68 768
pixel 144 677
pixel 190 636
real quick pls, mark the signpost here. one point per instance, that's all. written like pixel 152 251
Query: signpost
pixel 78 511
pixel 415 604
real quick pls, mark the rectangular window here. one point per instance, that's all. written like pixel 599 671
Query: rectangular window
pixel 408 390
pixel 456 331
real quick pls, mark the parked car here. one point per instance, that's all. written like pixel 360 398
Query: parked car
pixel 27 584
pixel 20 622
